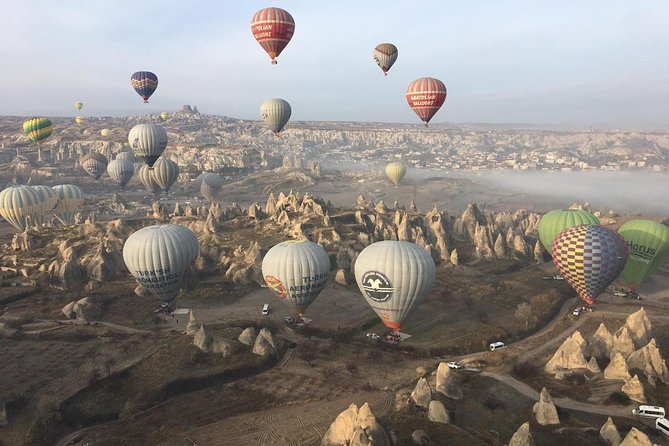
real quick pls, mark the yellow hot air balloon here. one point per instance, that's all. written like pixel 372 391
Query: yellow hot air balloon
pixel 78 105
pixel 396 171
pixel 37 129
pixel 105 132
pixel 79 120
pixel 164 116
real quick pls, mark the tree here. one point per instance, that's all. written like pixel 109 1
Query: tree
pixel 525 312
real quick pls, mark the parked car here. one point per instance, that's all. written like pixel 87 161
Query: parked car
pixel 496 345
pixel 265 309
pixel 289 320
pixel 455 365
pixel 576 311
pixel 373 336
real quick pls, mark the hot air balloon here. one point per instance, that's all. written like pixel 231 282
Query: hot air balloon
pixel 648 247
pixel 121 171
pixel 165 172
pixel 589 257
pixel 296 270
pixel 394 277
pixel 148 141
pixel 126 153
pixel 70 199
pixel 164 116
pixel 385 55
pixel 17 203
pixel 159 257
pixel 95 164
pixel 197 182
pixel 556 221
pixel 37 129
pixel 211 186
pixel 148 180
pixel 78 105
pixel 105 132
pixel 273 28
pixel 275 114
pixel 396 171
pixel 48 200
pixel 426 96
pixel 144 83
pixel 79 120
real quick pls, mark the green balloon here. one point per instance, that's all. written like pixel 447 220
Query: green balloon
pixel 648 246
pixel 554 222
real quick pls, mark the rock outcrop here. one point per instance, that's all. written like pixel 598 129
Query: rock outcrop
pixel 639 327
pixel 609 433
pixel 636 438
pixel 191 326
pixel 248 336
pixel 568 356
pixel 648 360
pixel 202 339
pixel 437 412
pixel 86 309
pixel 447 383
pixel 356 427
pixel 264 344
pixel 622 343
pixel 422 393
pixel 617 368
pixel 522 437
pixel 544 410
pixel 634 390
pixel 593 366
pixel 420 438
pixel 600 343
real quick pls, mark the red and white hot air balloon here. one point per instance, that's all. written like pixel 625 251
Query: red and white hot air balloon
pixel 426 96
pixel 273 28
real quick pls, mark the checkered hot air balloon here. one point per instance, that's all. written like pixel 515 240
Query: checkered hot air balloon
pixel 589 257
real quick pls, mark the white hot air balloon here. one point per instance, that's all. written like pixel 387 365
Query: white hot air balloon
pixel 126 153
pixel 211 186
pixel 296 270
pixel 394 277
pixel 49 201
pixel 148 180
pixel 121 171
pixel 148 141
pixel 396 171
pixel 275 114
pixel 19 202
pixel 70 199
pixel 165 172
pixel 159 257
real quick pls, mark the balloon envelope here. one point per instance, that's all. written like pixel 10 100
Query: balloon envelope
pixel 164 116
pixel 48 199
pixel 165 172
pixel 159 256
pixel 95 164
pixel 148 180
pixel 275 114
pixel 589 257
pixel 211 186
pixel 296 270
pixel 148 141
pixel 556 221
pixel 78 105
pixel 144 83
pixel 396 171
pixel 648 247
pixel 70 199
pixel 19 202
pixel 105 132
pixel 394 277
pixel 79 120
pixel 37 129
pixel 426 96
pixel 273 28
pixel 121 171
pixel 385 55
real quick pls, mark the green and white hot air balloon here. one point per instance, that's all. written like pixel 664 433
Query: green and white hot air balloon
pixel 18 203
pixel 648 248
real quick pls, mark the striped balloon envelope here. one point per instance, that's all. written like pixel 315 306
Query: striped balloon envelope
pixel 273 28
pixel 385 55
pixel 589 257
pixel 165 173
pixel 70 199
pixel 48 200
pixel 396 171
pixel 144 83
pixel 95 164
pixel 121 171
pixel 37 129
pixel 148 180
pixel 275 114
pixel 426 96
pixel 19 202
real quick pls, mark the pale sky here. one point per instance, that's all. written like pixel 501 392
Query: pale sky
pixel 503 61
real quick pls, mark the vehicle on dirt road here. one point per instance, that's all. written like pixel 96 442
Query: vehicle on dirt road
pixel 455 365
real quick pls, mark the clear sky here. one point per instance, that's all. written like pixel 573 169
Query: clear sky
pixel 585 62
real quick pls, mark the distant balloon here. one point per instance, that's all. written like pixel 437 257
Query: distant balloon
pixel 70 199
pixel 121 171
pixel 159 258
pixel 79 120
pixel 385 55
pixel 37 129
pixel 78 105
pixel 144 83
pixel 105 132
pixel 211 186
pixel 19 202
pixel 165 172
pixel 589 257
pixel 126 153
pixel 197 182
pixel 273 28
pixel 148 141
pixel 296 270
pixel 556 221
pixel 648 247
pixel 426 96
pixel 48 200
pixel 164 116
pixel 95 164
pixel 396 171
pixel 148 180
pixel 275 114
pixel 394 277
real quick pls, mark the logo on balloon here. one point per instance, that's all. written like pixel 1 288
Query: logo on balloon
pixel 277 286
pixel 377 286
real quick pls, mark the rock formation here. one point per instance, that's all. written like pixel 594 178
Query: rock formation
pixel 420 438
pixel 634 390
pixel 422 393
pixel 544 410
pixel 622 343
pixel 600 343
pixel 356 427
pixel 86 309
pixel 648 359
pixel 202 339
pixel 522 436
pixel 447 383
pixel 191 326
pixel 437 412
pixel 617 368
pixel 609 433
pixel 248 336
pixel 636 438
pixel 568 356
pixel 264 344
pixel 639 327
pixel 593 366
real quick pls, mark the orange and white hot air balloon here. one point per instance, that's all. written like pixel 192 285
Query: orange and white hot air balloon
pixel 426 96
pixel 273 28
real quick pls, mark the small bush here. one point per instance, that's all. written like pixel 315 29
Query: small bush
pixel 525 369
pixel 620 398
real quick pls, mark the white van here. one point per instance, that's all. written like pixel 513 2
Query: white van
pixel 649 411
pixel 662 424
pixel 265 309
pixel 496 345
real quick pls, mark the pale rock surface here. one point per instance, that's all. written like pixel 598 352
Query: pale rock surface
pixel 87 308
pixel 437 412
pixel 639 327
pixel 248 336
pixel 600 344
pixel 522 437
pixel 454 257
pixel 649 360
pixel 264 344
pixel 609 433
pixel 617 368
pixel 500 246
pixel 446 382
pixel 634 390
pixel 202 339
pixel 538 253
pixel 141 291
pixel 568 356
pixel 593 366
pixel 340 277
pixel 622 342
pixel 636 438
pixel 544 410
pixel 356 427
pixel 422 393
pixel 222 346
pixel 420 438
pixel 191 326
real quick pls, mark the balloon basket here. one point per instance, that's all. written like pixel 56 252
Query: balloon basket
pixel 274 62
